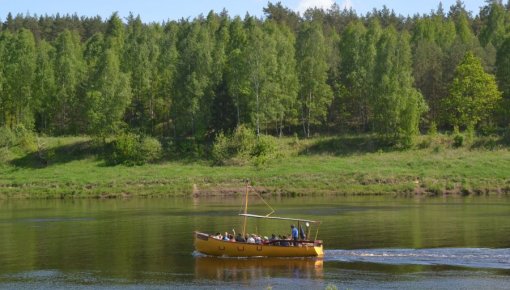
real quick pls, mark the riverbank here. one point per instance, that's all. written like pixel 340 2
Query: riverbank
pixel 308 168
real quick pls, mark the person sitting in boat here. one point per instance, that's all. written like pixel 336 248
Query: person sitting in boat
pixel 258 240
pixel 239 238
pixel 295 234
pixel 251 239
pixel 273 240
pixel 218 236
pixel 225 237
pixel 284 242
pixel 231 238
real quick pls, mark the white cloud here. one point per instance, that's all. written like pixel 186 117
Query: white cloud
pixel 305 4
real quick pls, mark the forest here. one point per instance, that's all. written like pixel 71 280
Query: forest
pixel 326 72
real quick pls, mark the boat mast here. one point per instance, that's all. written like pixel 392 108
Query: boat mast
pixel 245 210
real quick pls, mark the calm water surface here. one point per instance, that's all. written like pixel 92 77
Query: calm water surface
pixel 371 242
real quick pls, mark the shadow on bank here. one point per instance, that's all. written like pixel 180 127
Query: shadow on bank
pixel 59 155
pixel 184 151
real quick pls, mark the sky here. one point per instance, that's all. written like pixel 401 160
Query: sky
pixel 162 10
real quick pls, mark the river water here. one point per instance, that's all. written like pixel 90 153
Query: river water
pixel 370 242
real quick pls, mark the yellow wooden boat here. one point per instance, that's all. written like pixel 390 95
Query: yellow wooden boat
pixel 210 245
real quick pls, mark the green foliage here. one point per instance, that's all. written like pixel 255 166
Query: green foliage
pixel 315 94
pixel 506 136
pixel 470 133
pixel 399 104
pixel 19 139
pixel 357 168
pixel 132 149
pixel 242 147
pixel 496 24
pixel 432 129
pixel 473 94
pixel 221 150
pixel 5 156
pixel 25 138
pixel 234 149
pixel 325 71
pixel 150 149
pixel 458 140
pixel 68 67
pixel 107 101
pixel 7 138
pixel 265 149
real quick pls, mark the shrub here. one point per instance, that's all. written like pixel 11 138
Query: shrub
pixel 150 149
pixel 243 140
pixel 470 133
pixel 243 146
pixel 25 138
pixel 7 137
pixel 405 141
pixel 433 129
pixel 221 149
pixel 133 149
pixel 19 137
pixel 425 143
pixel 265 145
pixel 123 150
pixel 506 136
pixel 458 141
pixel 187 147
pixel 5 155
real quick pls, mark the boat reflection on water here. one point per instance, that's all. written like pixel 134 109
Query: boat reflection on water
pixel 247 269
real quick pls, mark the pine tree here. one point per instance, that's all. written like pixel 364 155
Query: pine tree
pixel 497 23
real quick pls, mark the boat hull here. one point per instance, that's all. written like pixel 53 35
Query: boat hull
pixel 208 245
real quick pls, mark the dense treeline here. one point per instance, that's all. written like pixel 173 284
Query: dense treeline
pixel 329 71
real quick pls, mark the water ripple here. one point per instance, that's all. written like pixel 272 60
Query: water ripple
pixel 461 257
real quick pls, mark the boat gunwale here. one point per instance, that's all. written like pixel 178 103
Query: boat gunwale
pixel 315 243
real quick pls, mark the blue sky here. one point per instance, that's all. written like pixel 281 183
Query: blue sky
pixel 159 10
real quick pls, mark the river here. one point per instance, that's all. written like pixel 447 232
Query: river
pixel 370 243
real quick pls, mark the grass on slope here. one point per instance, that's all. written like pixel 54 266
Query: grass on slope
pixel 347 165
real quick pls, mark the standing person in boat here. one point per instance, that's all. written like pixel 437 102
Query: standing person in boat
pixel 295 234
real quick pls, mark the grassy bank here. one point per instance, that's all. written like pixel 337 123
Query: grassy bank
pixel 347 165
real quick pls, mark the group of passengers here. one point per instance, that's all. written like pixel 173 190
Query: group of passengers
pixel 256 239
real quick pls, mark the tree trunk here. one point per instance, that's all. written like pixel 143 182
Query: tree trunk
pixel 237 109
pixel 257 97
pixel 309 115
pixel 303 118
